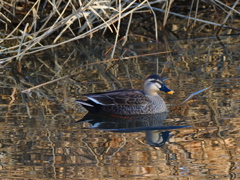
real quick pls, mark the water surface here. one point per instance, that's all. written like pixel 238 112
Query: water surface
pixel 40 136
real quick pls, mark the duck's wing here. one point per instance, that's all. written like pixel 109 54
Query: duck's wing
pixel 119 97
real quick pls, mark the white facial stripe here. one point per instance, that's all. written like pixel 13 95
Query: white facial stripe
pixel 157 80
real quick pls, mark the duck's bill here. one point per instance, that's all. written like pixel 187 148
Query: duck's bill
pixel 165 89
pixel 170 92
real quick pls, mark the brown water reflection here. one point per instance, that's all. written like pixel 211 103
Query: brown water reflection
pixel 41 139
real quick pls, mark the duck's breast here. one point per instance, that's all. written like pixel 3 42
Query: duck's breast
pixel 157 104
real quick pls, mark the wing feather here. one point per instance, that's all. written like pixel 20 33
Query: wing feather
pixel 119 97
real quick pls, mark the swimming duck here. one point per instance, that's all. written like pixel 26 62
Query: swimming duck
pixel 129 101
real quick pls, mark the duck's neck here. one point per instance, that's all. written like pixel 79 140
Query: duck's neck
pixel 151 93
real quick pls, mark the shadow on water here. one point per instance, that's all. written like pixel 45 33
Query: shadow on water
pixel 152 124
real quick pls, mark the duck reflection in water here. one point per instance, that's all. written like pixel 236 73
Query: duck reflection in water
pixel 156 134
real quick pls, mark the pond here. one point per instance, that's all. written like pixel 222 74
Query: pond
pixel 43 136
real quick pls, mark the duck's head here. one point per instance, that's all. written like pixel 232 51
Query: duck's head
pixel 154 83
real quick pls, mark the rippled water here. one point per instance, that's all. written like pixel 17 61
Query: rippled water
pixel 41 138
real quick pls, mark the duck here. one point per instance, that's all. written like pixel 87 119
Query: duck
pixel 129 101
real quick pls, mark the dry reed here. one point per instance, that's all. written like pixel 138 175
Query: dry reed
pixel 26 24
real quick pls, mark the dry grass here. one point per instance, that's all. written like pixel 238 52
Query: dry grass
pixel 79 19
pixel 25 24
